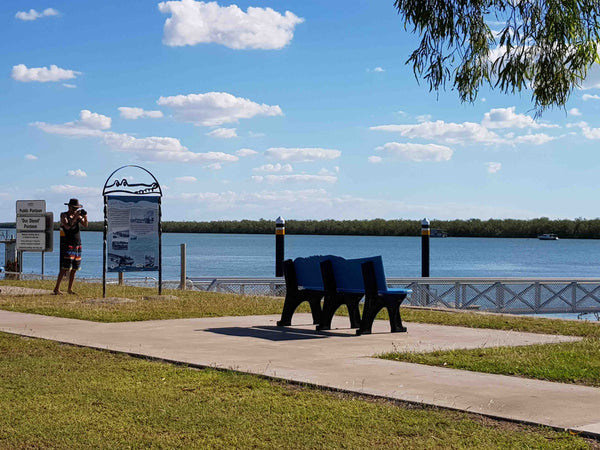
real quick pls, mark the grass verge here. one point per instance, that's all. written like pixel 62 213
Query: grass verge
pixel 568 362
pixel 59 396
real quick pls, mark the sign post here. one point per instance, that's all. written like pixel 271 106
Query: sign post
pixel 132 226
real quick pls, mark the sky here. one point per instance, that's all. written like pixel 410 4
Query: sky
pixel 259 109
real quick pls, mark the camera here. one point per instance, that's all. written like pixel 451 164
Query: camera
pixel 83 212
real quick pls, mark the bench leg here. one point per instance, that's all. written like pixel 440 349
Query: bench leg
pixel 395 319
pixel 370 311
pixel 331 305
pixel 372 308
pixel 293 300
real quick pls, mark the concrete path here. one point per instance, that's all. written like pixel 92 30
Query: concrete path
pixel 339 360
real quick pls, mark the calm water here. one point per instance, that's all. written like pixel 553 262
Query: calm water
pixel 253 255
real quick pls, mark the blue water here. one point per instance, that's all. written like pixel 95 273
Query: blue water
pixel 253 255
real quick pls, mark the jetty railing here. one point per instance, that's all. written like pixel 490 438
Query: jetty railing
pixel 513 295
pixel 510 295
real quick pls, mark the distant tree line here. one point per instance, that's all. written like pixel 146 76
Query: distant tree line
pixel 498 228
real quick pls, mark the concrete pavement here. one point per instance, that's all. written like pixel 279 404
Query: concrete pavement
pixel 340 360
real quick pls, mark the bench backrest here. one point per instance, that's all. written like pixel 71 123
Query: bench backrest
pixel 348 276
pixel 306 271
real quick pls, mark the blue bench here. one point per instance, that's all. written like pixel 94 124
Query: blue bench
pixel 346 281
pixel 304 282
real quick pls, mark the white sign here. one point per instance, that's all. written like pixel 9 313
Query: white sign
pixel 34 242
pixel 31 208
pixel 31 223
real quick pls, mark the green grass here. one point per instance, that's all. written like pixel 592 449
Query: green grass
pixel 86 306
pixel 59 396
pixel 569 362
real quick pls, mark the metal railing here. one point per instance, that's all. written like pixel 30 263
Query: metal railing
pixel 511 295
pixel 514 295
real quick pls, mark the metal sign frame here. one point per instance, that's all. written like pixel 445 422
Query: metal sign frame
pixel 122 186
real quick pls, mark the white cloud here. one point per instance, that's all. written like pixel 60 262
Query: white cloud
pixel 22 73
pixel 243 152
pixel 592 79
pixel 274 168
pixel 31 157
pixel 493 167
pixel 302 154
pixel 137 113
pixel 153 148
pixel 417 152
pixel 506 118
pixel 574 112
pixel 216 108
pixel 424 118
pixel 214 166
pixel 375 159
pixel 448 133
pixel 89 124
pixel 193 22
pixel 252 134
pixel 166 149
pixel 299 178
pixel 223 133
pixel 32 14
pixel 589 133
pixel 80 191
pixel 376 69
pixel 78 173
pixel 532 139
pixel 70 86
pixel 586 97
pixel 186 179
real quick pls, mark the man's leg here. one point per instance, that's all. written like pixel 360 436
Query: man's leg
pixel 71 279
pixel 61 274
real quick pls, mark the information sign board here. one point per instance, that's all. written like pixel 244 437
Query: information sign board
pixel 132 234
pixel 31 242
pixel 31 225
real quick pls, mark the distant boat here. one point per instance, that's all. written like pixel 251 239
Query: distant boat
pixel 548 237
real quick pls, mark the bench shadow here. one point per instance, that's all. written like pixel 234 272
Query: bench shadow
pixel 273 333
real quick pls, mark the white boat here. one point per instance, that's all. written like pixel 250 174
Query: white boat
pixel 548 237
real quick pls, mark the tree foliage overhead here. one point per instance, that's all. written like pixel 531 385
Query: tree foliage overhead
pixel 543 45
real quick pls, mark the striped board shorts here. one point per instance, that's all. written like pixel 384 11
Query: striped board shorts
pixel 70 257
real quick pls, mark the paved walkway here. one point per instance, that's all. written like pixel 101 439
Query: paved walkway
pixel 339 360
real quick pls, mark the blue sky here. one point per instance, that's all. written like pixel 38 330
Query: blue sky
pixel 257 109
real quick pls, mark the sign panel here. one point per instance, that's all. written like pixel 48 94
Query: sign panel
pixel 31 223
pixel 33 242
pixel 132 235
pixel 31 208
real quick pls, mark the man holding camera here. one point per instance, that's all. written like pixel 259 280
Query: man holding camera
pixel 70 243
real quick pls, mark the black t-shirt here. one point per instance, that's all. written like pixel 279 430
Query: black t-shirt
pixel 70 236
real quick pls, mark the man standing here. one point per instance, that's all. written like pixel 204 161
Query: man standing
pixel 70 243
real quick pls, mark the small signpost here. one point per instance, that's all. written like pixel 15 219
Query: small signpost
pixel 34 228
